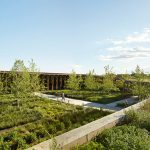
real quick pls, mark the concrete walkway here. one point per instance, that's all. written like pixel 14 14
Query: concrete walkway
pixel 110 106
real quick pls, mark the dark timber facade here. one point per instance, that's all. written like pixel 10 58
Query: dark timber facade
pixel 56 81
pixel 52 81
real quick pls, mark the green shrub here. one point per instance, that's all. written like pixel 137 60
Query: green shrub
pixel 38 119
pixel 30 138
pixel 18 143
pixel 40 133
pixel 10 136
pixel 67 123
pixel 122 104
pixel 59 125
pixel 146 106
pixel 139 118
pixel 51 129
pixel 91 146
pixel 125 138
pixel 5 146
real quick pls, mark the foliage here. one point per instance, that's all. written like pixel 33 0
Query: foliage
pixel 20 86
pixel 125 138
pixel 1 85
pixel 91 146
pixel 139 88
pixel 146 106
pixel 38 118
pixel 24 80
pixel 92 96
pixel 35 83
pixel 120 84
pixel 74 82
pixel 139 118
pixel 54 145
pixel 108 84
pixel 122 104
pixel 120 138
pixel 90 81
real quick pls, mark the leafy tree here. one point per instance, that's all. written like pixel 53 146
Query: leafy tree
pixel 108 84
pixel 74 82
pixel 119 84
pixel 90 81
pixel 139 87
pixel 20 86
pixel 35 82
pixel 1 85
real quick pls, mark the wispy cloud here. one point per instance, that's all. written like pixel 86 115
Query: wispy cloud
pixel 136 37
pixel 130 47
pixel 123 56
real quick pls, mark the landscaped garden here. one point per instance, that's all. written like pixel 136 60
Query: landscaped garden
pixel 106 89
pixel 133 135
pixel 38 119
pixel 26 119
pixel 102 90
pixel 92 96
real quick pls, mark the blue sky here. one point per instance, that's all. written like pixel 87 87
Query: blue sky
pixel 61 35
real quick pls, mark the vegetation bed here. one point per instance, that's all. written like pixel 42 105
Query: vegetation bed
pixel 38 119
pixel 92 96
pixel 135 134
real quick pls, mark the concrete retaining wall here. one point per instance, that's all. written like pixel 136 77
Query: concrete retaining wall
pixel 87 132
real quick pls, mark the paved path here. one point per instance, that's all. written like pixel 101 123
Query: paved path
pixel 110 106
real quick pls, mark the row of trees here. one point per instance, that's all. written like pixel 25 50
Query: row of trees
pixel 134 83
pixel 91 82
pixel 23 80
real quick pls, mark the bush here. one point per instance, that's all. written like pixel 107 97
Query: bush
pixel 5 146
pixel 30 138
pixel 10 136
pixel 122 104
pixel 125 138
pixel 139 118
pixel 40 118
pixel 18 143
pixel 67 123
pixel 91 146
pixel 59 126
pixel 51 129
pixel 146 106
pixel 40 133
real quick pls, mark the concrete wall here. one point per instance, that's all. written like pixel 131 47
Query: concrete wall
pixel 87 132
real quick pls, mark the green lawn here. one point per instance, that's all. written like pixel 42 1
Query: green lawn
pixel 92 96
pixel 38 119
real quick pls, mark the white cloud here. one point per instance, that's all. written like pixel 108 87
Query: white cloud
pixel 135 38
pixel 119 48
pixel 104 58
pixel 131 47
pixel 123 56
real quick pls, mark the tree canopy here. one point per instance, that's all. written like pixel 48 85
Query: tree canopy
pixel 90 81
pixel 74 81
